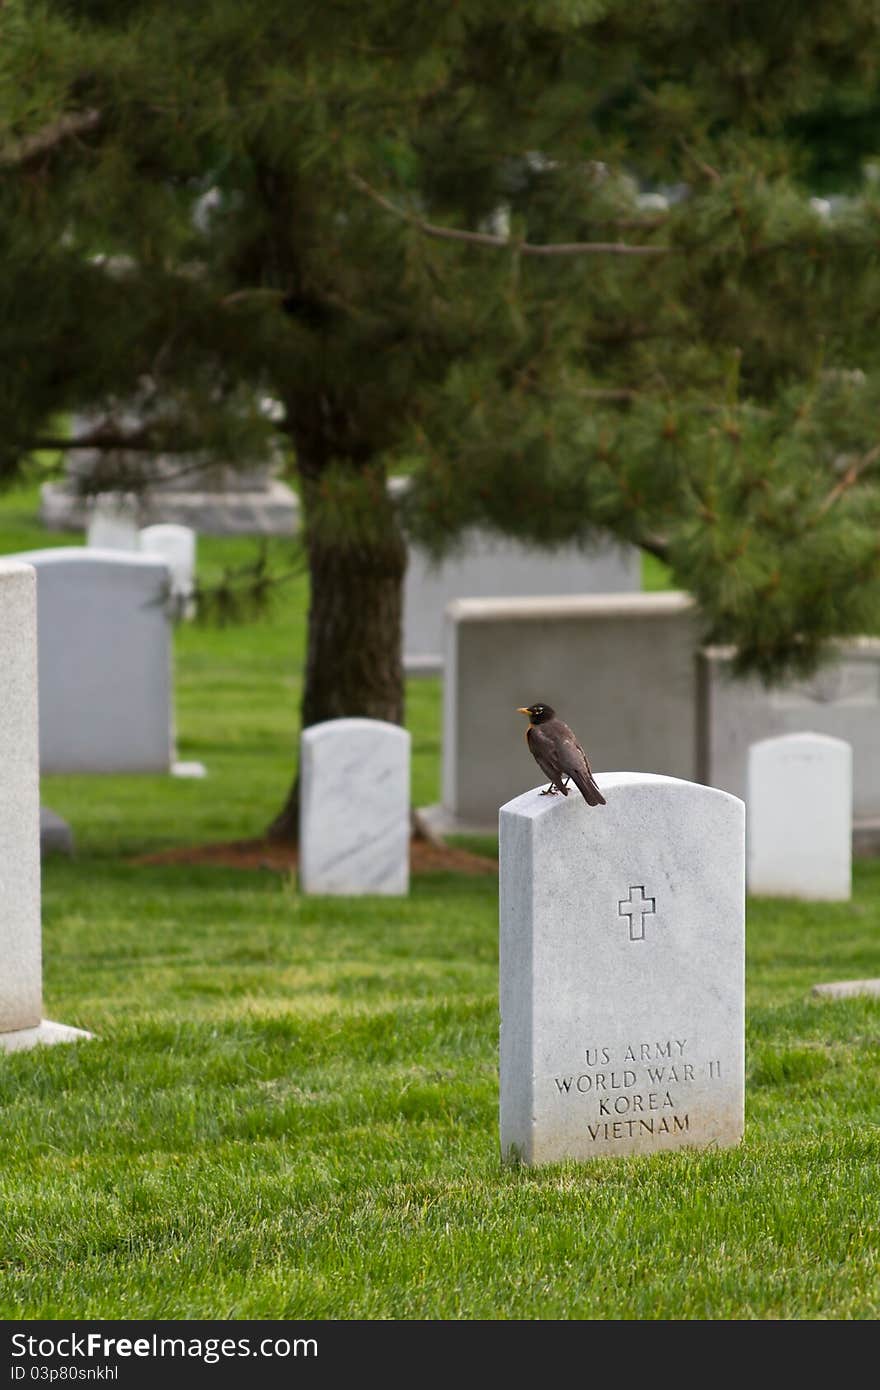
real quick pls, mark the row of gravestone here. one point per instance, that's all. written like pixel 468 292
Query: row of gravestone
pixel 621 927
pixel 625 670
pixel 103 692
pixel 355 823
pixel 105 639
pixel 105 705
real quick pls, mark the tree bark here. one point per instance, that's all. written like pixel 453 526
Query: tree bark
pixel 353 664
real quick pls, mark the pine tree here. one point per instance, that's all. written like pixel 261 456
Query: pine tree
pixel 557 261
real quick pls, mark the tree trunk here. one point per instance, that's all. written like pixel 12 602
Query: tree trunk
pixel 357 559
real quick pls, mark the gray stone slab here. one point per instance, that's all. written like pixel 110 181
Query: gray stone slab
pixel 112 522
pixel 799 800
pixel 269 511
pixel 56 836
pixel 621 970
pixel 846 989
pixel 105 660
pixel 21 991
pixel 354 808
pixel 620 669
pixel 178 546
pixel 487 566
pixel 841 700
pixel 187 489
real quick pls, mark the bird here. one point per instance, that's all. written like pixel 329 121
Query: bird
pixel 555 749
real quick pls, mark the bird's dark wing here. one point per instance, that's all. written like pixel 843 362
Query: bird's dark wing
pixel 543 750
pixel 573 761
pixel 559 755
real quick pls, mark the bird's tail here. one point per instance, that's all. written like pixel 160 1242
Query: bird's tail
pixel 588 789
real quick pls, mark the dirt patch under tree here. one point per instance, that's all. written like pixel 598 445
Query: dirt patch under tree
pixel 426 856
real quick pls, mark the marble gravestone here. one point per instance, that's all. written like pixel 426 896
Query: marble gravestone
pixel 622 932
pixel 354 808
pixel 799 799
pixel 21 992
pixel 104 660
pixel 178 545
pixel 113 522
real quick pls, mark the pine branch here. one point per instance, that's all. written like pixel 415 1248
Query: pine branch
pixel 30 147
pixel 654 545
pixel 97 439
pixel 135 478
pixel 525 248
pixel 258 292
pixel 244 591
pixel 608 393
pixel 705 169
pixel 637 224
pixel 849 479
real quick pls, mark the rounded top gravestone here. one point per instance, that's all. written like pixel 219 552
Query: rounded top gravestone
pixel 354 807
pixel 800 812
pixel 177 544
pixel 621 970
pixel 104 639
pixel 21 993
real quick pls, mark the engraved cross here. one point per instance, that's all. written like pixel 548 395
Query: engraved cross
pixel 636 909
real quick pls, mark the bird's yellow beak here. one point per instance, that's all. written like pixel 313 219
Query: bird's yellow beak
pixel 523 709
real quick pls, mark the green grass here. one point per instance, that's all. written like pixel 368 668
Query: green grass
pixel 290 1110
pixel 655 574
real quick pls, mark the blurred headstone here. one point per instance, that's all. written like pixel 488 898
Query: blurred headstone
pixel 21 989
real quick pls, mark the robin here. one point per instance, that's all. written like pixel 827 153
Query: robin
pixel 558 754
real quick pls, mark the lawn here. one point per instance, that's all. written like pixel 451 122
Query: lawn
pixel 290 1108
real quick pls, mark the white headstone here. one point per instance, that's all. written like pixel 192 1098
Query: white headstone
pixel 20 978
pixel 113 522
pixel 489 566
pixel 619 668
pixel 354 829
pixel 799 799
pixel 104 660
pixel 21 990
pixel 178 545
pixel 622 933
